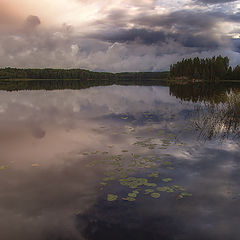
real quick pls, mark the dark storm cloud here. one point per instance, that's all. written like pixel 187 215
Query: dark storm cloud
pixel 178 19
pixel 189 28
pixel 236 44
pixel 234 17
pixel 126 35
pixel 215 1
pixel 146 36
pixel 32 21
pixel 187 20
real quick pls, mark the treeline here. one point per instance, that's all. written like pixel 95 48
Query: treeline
pixel 209 69
pixel 48 73
pixel 141 75
pixel 81 74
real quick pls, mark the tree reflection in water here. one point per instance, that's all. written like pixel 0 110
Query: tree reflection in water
pixel 219 119
pixel 218 108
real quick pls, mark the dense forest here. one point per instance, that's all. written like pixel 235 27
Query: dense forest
pixel 209 69
pixel 48 73
pixel 81 74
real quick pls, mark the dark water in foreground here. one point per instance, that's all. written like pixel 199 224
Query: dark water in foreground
pixel 120 162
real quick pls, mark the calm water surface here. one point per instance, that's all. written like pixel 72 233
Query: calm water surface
pixel 119 162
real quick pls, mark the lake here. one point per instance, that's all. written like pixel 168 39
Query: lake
pixel 119 162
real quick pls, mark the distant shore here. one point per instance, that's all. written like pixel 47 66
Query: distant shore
pixel 196 70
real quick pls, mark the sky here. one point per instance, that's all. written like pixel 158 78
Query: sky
pixel 115 35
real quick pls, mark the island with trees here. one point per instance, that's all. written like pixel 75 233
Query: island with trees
pixel 208 69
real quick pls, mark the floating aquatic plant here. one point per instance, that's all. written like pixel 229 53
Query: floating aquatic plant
pixel 165 189
pixel 106 179
pixel 133 195
pixel 154 174
pixel 3 167
pixel 147 191
pixel 121 167
pixel 178 188
pixel 35 165
pixel 112 197
pixel 130 199
pixel 167 179
pixel 155 195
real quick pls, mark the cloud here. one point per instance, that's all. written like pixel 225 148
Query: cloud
pixel 61 49
pixel 192 29
pixel 146 36
pixel 215 1
pixel 116 35
pixel 32 21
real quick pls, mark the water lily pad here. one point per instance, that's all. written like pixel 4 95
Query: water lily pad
pixel 35 165
pixel 136 192
pixel 103 183
pixel 133 195
pixel 155 195
pixel 180 196
pixel 154 174
pixel 110 173
pixel 3 167
pixel 167 179
pixel 186 194
pixel 96 152
pixel 150 184
pixel 89 165
pixel 106 179
pixel 112 197
pixel 147 191
pixel 133 182
pixel 123 175
pixel 178 188
pixel 130 199
pixel 165 189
